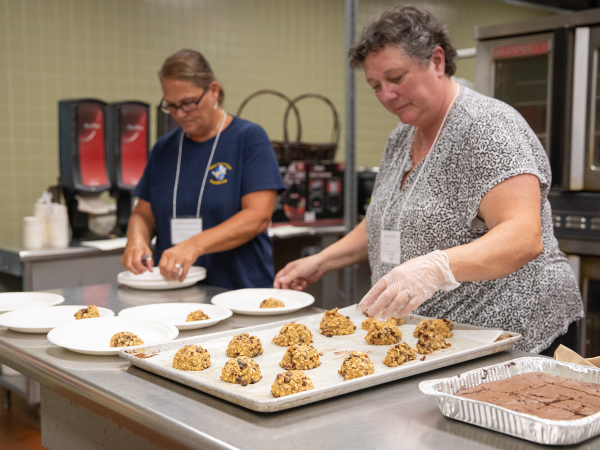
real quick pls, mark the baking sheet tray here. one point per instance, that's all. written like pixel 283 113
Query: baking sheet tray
pixel 469 342
pixel 524 426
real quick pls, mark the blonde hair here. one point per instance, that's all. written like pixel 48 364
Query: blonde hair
pixel 192 66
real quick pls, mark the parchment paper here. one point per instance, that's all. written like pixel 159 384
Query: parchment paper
pixel 333 351
pixel 565 354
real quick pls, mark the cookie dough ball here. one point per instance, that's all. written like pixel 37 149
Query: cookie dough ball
pixel 87 313
pixel 399 320
pixel 196 315
pixel 383 333
pixel 430 342
pixel 244 345
pixel 368 323
pixel 272 303
pixel 293 333
pixel 333 323
pixel 191 357
pixel 291 382
pixel 440 327
pixel 125 339
pixel 300 356
pixel 399 354
pixel 242 370
pixel 356 365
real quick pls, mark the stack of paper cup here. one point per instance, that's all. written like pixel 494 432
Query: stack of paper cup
pixel 42 211
pixel 32 233
pixel 59 226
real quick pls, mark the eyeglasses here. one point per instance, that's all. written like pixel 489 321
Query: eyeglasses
pixel 186 107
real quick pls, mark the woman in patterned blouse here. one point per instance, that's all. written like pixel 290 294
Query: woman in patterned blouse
pixel 459 224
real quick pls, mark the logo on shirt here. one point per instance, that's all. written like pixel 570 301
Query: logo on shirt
pixel 219 172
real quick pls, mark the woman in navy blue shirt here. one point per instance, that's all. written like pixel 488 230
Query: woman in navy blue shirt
pixel 209 188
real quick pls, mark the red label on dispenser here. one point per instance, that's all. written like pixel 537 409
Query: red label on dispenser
pixel 520 50
pixel 90 131
pixel 134 143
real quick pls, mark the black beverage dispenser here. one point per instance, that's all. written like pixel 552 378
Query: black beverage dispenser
pixel 82 158
pixel 128 146
pixel 164 123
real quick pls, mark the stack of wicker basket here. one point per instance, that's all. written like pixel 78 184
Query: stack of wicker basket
pixel 288 151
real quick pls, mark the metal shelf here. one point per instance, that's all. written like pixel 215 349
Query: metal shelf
pixel 15 383
pixel 22 386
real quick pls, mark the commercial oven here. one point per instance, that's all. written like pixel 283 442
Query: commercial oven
pixel 576 217
pixel 548 69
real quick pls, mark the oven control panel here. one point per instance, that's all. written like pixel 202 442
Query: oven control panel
pixel 576 214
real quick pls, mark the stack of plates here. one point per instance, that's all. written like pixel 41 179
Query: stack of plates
pixel 154 281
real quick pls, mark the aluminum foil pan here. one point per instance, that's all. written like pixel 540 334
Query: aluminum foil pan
pixel 497 418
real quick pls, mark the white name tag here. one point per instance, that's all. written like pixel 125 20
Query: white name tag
pixel 184 228
pixel 389 246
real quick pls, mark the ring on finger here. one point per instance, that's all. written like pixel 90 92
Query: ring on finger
pixel 410 294
pixel 178 266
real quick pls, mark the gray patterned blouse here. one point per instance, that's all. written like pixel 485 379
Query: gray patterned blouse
pixel 483 143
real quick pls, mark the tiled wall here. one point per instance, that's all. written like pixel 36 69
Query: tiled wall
pixel 112 49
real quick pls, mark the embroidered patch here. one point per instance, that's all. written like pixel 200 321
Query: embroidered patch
pixel 219 173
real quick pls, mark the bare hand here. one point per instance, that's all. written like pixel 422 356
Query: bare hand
pixel 135 250
pixel 300 274
pixel 184 254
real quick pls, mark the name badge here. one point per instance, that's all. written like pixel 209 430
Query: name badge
pixel 183 228
pixel 389 246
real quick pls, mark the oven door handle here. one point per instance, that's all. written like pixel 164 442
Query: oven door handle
pixel 580 103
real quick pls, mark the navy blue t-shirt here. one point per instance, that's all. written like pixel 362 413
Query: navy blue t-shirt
pixel 244 162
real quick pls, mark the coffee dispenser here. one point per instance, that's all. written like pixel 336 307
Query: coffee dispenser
pixel 128 145
pixel 82 159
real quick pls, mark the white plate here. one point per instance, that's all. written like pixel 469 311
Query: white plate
pixel 42 320
pixel 93 336
pixel 176 313
pixel 152 282
pixel 12 301
pixel 134 297
pixel 247 301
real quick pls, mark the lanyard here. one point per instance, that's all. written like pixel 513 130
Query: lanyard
pixel 420 171
pixel 212 153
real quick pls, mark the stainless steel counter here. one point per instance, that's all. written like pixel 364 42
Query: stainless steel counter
pixel 394 415
pixel 34 270
pixel 38 269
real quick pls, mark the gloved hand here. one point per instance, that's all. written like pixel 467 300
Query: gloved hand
pixel 408 285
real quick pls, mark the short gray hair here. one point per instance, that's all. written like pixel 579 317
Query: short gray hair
pixel 414 30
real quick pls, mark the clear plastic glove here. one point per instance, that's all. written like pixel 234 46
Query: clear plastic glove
pixel 408 285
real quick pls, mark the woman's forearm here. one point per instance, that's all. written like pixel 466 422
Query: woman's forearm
pixel 140 227
pixel 502 251
pixel 235 231
pixel 351 249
